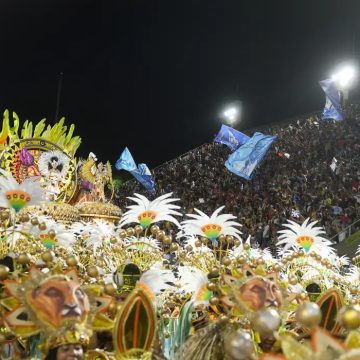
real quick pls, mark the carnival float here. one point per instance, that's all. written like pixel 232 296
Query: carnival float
pixel 79 275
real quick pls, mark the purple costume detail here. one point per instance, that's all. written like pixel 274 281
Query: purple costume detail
pixel 26 158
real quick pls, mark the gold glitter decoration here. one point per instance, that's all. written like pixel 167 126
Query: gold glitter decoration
pixel 60 212
pixel 99 210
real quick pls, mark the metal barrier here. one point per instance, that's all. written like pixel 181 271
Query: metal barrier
pixel 345 233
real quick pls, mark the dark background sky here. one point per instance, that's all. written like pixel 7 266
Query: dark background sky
pixel 153 74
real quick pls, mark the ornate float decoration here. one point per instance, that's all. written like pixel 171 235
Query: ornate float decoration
pixel 42 151
pixel 76 273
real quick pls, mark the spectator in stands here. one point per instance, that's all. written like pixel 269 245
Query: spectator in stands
pixel 297 187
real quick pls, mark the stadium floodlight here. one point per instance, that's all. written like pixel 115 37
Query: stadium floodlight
pixel 344 77
pixel 231 113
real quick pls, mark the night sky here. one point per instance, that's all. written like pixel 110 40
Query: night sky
pixel 153 75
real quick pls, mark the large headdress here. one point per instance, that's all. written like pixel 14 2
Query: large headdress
pixel 212 227
pixel 17 196
pixel 53 161
pixel 36 149
pixel 306 236
pixel 147 212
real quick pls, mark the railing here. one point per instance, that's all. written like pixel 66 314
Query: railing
pixel 345 233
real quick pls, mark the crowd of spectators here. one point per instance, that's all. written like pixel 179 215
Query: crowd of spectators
pixel 295 180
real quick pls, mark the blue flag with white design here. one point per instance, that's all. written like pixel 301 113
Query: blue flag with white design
pixel 143 175
pixel 140 172
pixel 125 161
pixel 332 109
pixel 248 156
pixel 231 137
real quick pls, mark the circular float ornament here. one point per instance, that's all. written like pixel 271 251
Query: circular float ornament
pixel 55 168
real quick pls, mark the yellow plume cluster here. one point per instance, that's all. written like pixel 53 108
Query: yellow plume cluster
pixel 58 134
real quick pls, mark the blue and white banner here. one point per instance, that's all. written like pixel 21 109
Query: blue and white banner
pixel 143 175
pixel 231 137
pixel 332 108
pixel 248 156
pixel 125 161
pixel 140 172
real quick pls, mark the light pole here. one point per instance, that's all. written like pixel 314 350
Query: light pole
pixel 344 78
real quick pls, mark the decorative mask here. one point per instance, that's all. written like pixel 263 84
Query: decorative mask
pixel 259 292
pixel 57 300
pixel 254 292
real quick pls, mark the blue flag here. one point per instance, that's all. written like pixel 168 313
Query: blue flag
pixel 125 161
pixel 247 157
pixel 332 108
pixel 143 175
pixel 231 137
pixel 140 172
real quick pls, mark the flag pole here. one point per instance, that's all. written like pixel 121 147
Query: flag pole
pixel 58 97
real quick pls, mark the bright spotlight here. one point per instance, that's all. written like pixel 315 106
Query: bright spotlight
pixel 231 114
pixel 344 77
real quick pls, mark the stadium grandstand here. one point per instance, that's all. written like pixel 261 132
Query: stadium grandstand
pixel 312 170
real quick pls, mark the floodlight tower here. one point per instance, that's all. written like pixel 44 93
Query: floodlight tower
pixel 344 79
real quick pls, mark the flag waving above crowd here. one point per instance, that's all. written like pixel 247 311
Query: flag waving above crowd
pixel 231 137
pixel 332 108
pixel 248 156
pixel 140 172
